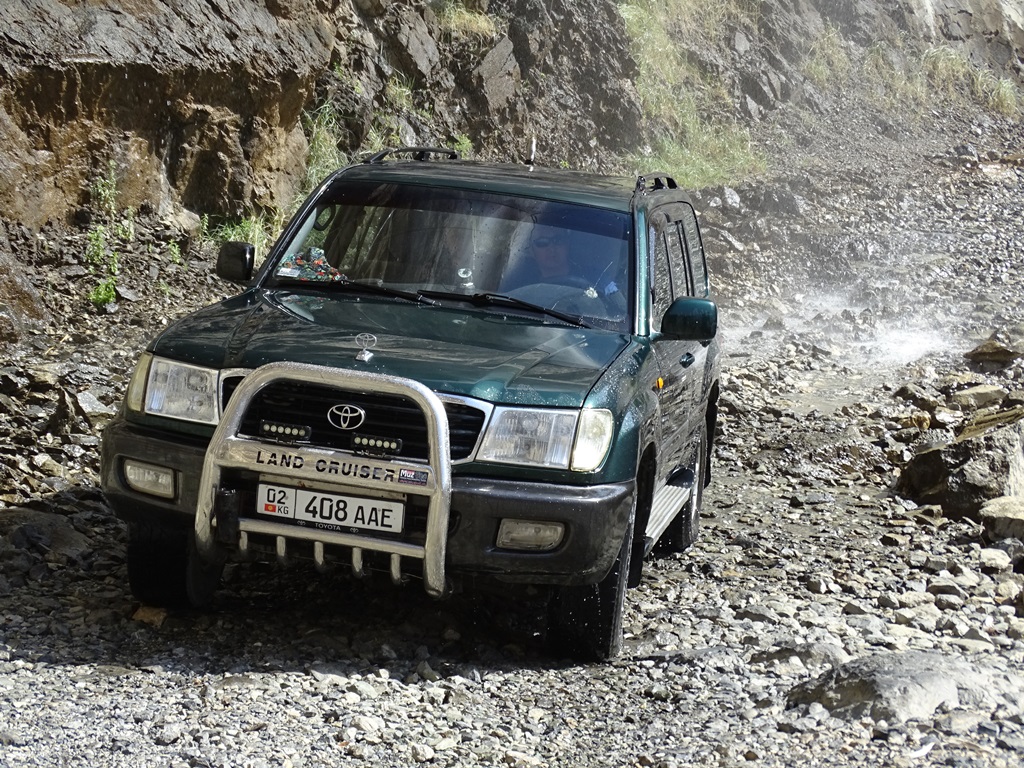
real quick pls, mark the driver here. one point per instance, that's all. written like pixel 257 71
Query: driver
pixel 549 247
pixel 545 258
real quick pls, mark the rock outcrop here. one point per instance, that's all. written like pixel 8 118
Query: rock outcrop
pixel 200 104
pixel 188 103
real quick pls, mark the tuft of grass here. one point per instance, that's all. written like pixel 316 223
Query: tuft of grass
pixel 323 128
pixel 382 134
pixel 694 135
pixel 711 20
pixel 911 84
pixel 463 145
pixel 349 78
pixel 398 93
pixel 946 69
pixel 893 88
pixel 104 293
pixel 104 192
pixel 462 22
pixel 711 154
pixel 999 94
pixel 96 246
pixel 942 73
pixel 827 61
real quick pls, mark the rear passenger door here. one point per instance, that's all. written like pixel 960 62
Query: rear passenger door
pixel 681 362
pixel 698 285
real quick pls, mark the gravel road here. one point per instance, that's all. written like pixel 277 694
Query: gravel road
pixel 807 563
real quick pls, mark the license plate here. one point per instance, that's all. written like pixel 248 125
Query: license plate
pixel 329 511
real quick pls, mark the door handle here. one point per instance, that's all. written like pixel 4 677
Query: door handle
pixel 687 360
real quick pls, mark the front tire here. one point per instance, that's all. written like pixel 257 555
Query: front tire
pixel 585 622
pixel 166 570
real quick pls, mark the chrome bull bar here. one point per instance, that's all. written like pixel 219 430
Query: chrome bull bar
pixel 229 451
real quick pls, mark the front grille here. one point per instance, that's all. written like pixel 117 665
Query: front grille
pixel 387 416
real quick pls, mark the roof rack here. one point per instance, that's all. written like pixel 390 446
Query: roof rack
pixel 657 180
pixel 417 153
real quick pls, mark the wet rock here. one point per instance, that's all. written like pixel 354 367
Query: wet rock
pixel 373 7
pixel 963 475
pixel 414 47
pixel 994 352
pixel 906 686
pixel 920 397
pixel 42 533
pixel 981 396
pixel 498 75
pixel 200 161
pixel 1003 518
pixel 994 560
pixel 19 300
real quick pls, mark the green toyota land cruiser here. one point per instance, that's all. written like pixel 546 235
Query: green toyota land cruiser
pixel 446 371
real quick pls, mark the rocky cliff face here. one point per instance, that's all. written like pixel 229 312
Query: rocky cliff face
pixel 195 103
pixel 199 103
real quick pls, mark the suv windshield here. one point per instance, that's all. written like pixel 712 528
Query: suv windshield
pixel 455 243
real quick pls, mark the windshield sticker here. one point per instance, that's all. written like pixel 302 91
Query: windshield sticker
pixel 311 265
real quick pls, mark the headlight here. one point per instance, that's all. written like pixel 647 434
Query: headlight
pixel 181 391
pixel 548 438
pixel 593 437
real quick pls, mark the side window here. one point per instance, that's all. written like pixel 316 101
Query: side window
pixel 695 251
pixel 661 286
pixel 677 262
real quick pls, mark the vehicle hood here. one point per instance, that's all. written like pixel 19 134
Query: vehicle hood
pixel 488 354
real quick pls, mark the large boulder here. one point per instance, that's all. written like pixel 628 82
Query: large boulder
pixel 897 687
pixel 1003 518
pixel 985 462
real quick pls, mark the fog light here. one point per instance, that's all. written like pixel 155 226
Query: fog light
pixel 149 478
pixel 529 535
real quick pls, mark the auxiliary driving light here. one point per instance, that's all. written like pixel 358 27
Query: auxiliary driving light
pixel 149 478
pixel 529 535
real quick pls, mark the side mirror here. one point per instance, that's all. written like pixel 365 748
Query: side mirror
pixel 691 320
pixel 235 261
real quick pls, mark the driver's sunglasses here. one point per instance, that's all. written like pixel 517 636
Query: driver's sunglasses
pixel 547 242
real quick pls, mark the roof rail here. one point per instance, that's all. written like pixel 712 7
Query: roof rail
pixel 417 153
pixel 657 179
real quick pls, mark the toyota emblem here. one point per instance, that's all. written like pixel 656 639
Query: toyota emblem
pixel 366 340
pixel 346 416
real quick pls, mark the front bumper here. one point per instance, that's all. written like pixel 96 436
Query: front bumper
pixel 463 518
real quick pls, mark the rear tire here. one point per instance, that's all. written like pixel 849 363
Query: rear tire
pixel 684 529
pixel 165 569
pixel 585 622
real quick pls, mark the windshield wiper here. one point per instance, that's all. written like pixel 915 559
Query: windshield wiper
pixel 379 290
pixel 502 300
